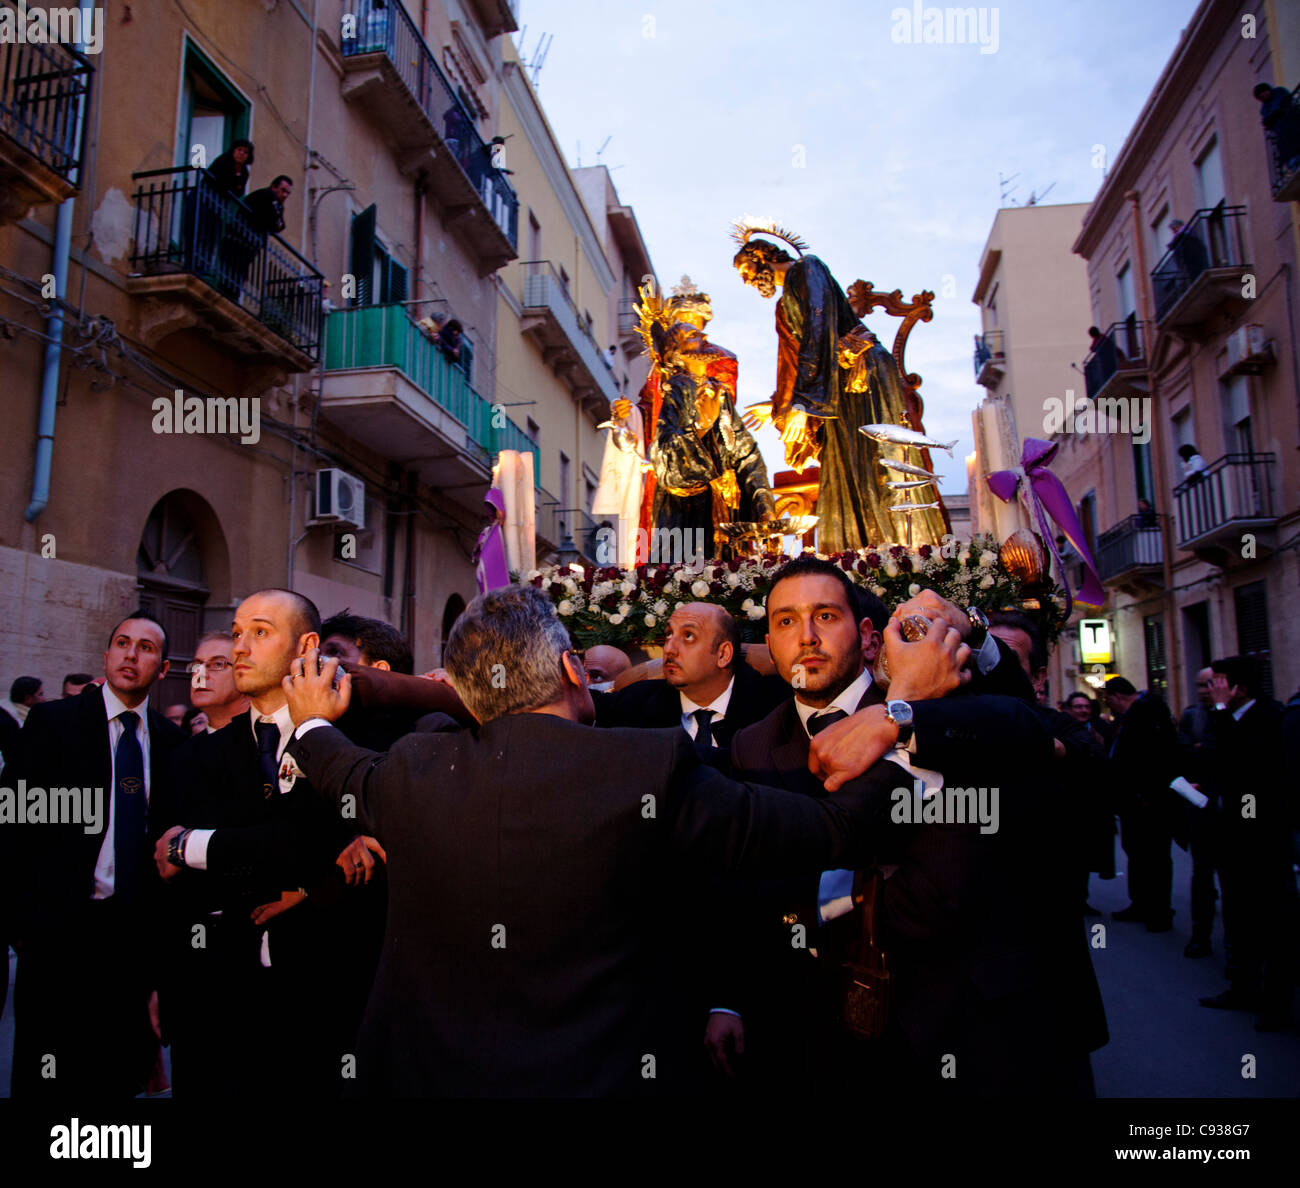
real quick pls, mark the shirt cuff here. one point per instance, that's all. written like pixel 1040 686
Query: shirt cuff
pixel 987 658
pixel 196 848
pixel 311 724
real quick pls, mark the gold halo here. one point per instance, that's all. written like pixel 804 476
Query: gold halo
pixel 746 227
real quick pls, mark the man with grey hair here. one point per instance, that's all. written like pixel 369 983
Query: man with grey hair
pixel 528 950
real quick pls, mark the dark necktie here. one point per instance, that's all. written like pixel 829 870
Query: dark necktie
pixel 704 730
pixel 818 722
pixel 268 743
pixel 130 812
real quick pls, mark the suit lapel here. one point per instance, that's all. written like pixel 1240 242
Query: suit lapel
pixel 790 754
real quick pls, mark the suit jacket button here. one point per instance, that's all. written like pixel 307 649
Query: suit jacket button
pixel 790 918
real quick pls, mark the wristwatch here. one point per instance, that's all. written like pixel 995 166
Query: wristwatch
pixel 979 627
pixel 900 713
pixel 176 848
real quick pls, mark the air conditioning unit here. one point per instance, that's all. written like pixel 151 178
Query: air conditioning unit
pixel 1247 351
pixel 340 499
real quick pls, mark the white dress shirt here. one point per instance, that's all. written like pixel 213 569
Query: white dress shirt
pixel 106 863
pixel 718 705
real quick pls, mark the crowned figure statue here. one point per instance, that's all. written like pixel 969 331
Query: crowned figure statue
pixel 832 376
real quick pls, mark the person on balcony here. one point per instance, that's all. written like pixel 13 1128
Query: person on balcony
pixel 1146 514
pixel 448 339
pixel 1190 255
pixel 267 205
pixel 265 216
pixel 1193 463
pixel 1281 119
pixel 231 170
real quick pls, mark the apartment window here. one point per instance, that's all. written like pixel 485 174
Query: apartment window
pixel 591 493
pixel 1234 401
pixel 213 113
pixel 1142 473
pixel 534 237
pixel 534 431
pixel 992 307
pixel 1184 431
pixel 1209 177
pixel 1124 288
pixel 380 279
pixel 1160 233
pixel 1252 629
pixel 566 490
pixel 1153 634
pixel 564 280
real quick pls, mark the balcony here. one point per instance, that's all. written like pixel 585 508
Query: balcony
pixel 552 321
pixel 1284 160
pixel 548 529
pixel 990 359
pixel 1117 363
pixel 388 386
pixel 44 96
pixel 629 326
pixel 1202 273
pixel 391 74
pixel 1227 499
pixel 1132 548
pixel 496 16
pixel 199 259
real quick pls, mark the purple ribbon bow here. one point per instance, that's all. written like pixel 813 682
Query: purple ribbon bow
pixel 1050 498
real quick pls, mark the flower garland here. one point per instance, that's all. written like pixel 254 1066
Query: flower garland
pixel 630 607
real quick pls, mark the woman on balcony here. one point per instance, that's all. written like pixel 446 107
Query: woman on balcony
pixel 230 171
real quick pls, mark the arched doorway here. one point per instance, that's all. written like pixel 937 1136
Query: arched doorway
pixel 174 584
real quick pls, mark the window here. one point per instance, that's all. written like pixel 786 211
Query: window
pixel 566 489
pixel 1142 473
pixel 1124 288
pixel 213 112
pixel 564 280
pixel 1209 177
pixel 380 279
pixel 1234 400
pixel 1160 233
pixel 1153 633
pixel 1252 629
pixel 534 237
pixel 534 431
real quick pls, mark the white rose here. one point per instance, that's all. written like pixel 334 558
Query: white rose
pixel 747 605
pixel 913 590
pixel 624 609
pixel 628 587
pixel 565 608
pixel 650 620
pixel 986 582
pixel 700 589
pixel 615 619
pixel 660 607
pixel 571 585
pixel 987 559
pixel 756 612
pixel 878 591
pixel 891 570
pixel 733 580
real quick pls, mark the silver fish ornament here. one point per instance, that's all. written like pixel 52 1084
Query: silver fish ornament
pixel 911 507
pixel 908 468
pixel 909 486
pixel 897 435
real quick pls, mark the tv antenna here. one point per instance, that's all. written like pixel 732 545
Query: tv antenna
pixel 1006 186
pixel 1035 199
pixel 603 146
pixel 540 50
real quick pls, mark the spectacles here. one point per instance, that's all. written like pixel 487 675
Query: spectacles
pixel 220 664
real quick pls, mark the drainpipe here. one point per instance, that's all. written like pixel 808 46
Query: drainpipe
pixel 1173 637
pixel 50 376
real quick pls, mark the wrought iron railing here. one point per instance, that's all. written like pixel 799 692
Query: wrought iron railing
pixel 185 223
pixel 1236 487
pixel 628 320
pixel 371 27
pixel 987 347
pixel 547 511
pixel 1121 348
pixel 385 336
pixel 1284 146
pixel 1213 239
pixel 1132 543
pixel 44 97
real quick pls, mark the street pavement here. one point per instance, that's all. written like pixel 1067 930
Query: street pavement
pixel 1162 1042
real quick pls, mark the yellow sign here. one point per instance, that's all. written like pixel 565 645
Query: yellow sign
pixel 1094 641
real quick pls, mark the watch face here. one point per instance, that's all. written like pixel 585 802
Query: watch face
pixel 900 711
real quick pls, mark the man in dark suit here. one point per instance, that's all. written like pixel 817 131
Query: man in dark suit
pixel 783 1014
pixel 1259 890
pixel 83 892
pixel 1144 757
pixel 527 938
pixel 707 688
pixel 259 864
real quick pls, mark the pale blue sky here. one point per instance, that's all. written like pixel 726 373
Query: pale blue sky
pixel 711 105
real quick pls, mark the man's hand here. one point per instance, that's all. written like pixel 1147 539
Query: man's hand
pixel 724 1037
pixel 756 416
pixel 928 668
pixel 311 692
pixel 1222 692
pixel 356 862
pixel 166 868
pixel 267 912
pixel 929 604
pixel 844 751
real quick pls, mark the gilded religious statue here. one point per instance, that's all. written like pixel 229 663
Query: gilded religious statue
pixel 833 377
pixel 706 468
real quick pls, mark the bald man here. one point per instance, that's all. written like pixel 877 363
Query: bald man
pixel 707 688
pixel 604 664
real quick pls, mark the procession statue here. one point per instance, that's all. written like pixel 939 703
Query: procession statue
pixel 841 401
pixel 706 467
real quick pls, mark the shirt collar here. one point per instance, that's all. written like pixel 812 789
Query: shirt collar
pixel 282 720
pixel 846 701
pixel 718 705
pixel 114 705
pixel 1240 711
